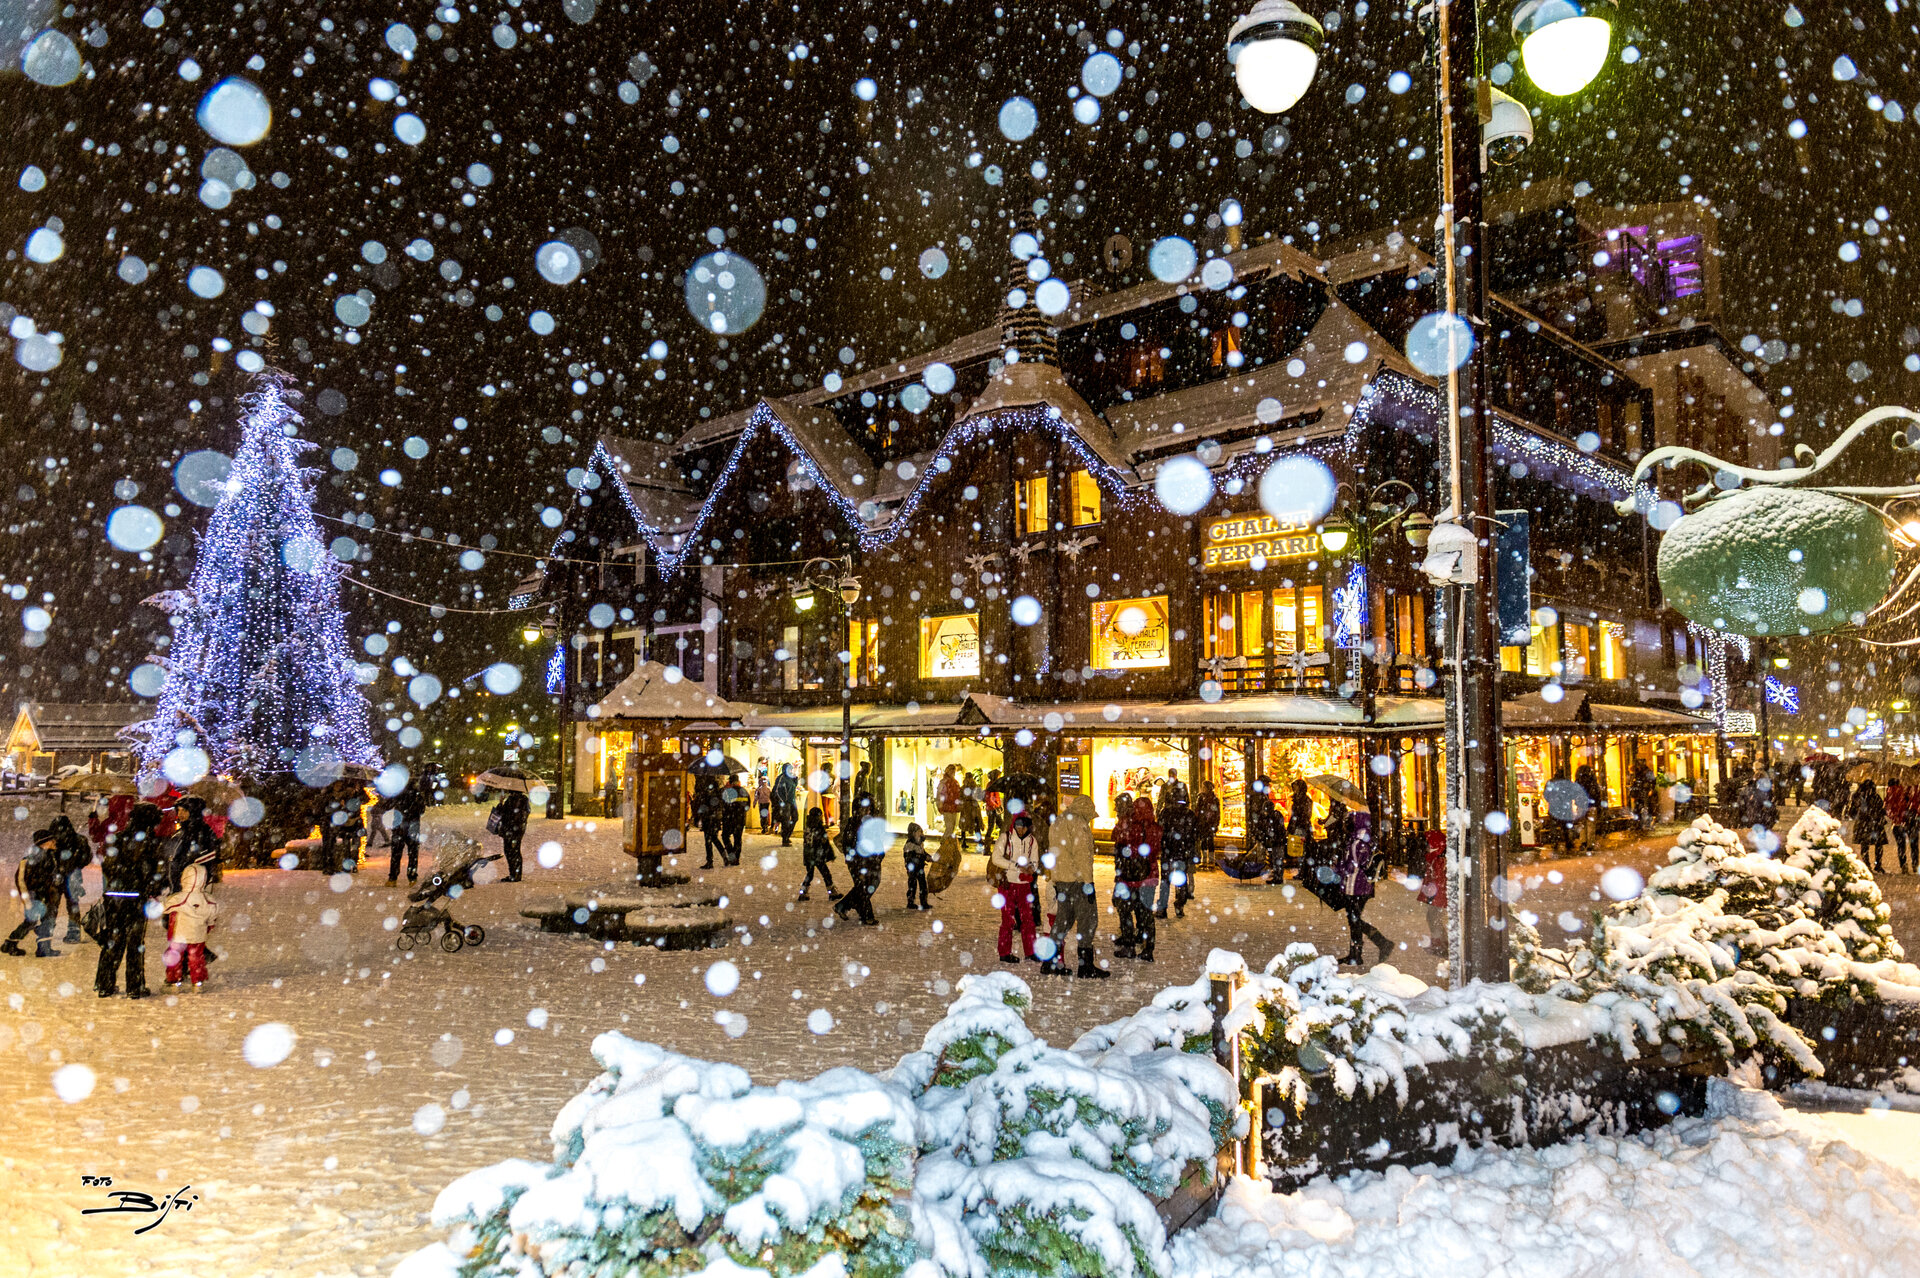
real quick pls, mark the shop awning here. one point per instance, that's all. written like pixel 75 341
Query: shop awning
pixel 1276 712
pixel 648 693
pixel 867 719
pixel 1575 710
pixel 1648 719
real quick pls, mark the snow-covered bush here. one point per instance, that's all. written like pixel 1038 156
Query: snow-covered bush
pixel 1843 897
pixel 987 1152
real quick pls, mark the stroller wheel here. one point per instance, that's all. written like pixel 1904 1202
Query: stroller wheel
pixel 452 941
pixel 405 941
pixel 475 933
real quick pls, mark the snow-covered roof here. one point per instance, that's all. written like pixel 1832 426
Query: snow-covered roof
pixel 1576 709
pixel 818 720
pixel 52 726
pixel 655 691
pixel 1033 385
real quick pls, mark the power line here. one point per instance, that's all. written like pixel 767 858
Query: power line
pixel 544 559
pixel 421 603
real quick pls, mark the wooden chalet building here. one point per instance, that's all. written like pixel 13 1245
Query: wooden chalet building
pixel 1027 598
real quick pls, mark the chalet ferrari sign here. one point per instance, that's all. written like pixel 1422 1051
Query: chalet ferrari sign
pixel 1237 541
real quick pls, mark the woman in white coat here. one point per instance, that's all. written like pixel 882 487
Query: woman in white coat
pixel 190 914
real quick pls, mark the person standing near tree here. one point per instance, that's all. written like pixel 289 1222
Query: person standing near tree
pixel 190 913
pixel 786 803
pixel 131 874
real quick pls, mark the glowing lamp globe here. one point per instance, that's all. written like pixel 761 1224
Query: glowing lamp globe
pixel 1274 50
pixel 1563 43
pixel 1777 561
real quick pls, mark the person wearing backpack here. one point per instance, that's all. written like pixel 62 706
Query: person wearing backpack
pixel 816 854
pixel 1136 867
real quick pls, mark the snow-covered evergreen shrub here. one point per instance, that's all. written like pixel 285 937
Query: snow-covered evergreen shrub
pixel 1843 897
pixel 987 1152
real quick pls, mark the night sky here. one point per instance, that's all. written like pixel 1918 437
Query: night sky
pixel 662 130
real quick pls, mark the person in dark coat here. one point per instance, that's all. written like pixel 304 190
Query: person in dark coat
pixel 1869 813
pixel 1266 831
pixel 514 810
pixel 1300 816
pixel 1136 864
pixel 786 803
pixel 735 801
pixel 863 864
pixel 1179 843
pixel 1587 779
pixel 408 807
pixel 915 853
pixel 74 853
pixel 193 838
pixel 1356 889
pixel 707 817
pixel 37 882
pixel 131 873
pixel 816 853
pixel 1206 806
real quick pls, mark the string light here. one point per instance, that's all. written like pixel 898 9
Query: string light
pixel 1715 643
pixel 259 673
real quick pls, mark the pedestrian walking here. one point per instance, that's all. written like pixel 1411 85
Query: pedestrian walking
pixel 190 915
pixel 1433 891
pixel 763 802
pixel 74 854
pixel 1266 831
pixel 1136 867
pixel 863 863
pixel 1014 862
pixel 915 854
pixel 707 817
pixel 404 833
pixel 131 873
pixel 1172 790
pixel 1588 780
pixel 786 803
pixel 37 884
pixel 735 799
pixel 1206 806
pixel 509 820
pixel 1356 887
pixel 1642 795
pixel 950 797
pixel 973 814
pixel 1300 818
pixel 1069 862
pixel 1179 842
pixel 996 804
pixel 816 854
pixel 1869 813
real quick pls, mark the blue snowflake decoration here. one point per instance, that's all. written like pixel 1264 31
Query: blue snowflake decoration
pixel 1784 695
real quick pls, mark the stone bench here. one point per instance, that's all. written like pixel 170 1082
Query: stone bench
pixel 622 899
pixel 671 925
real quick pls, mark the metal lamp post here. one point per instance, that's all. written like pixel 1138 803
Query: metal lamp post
pixel 836 576
pixel 1564 45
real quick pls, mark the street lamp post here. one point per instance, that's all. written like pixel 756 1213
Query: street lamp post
pixel 1564 44
pixel 836 576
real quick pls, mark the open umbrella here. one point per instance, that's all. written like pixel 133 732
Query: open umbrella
pixel 217 791
pixel 1339 788
pixel 509 777
pixel 91 782
pixel 704 766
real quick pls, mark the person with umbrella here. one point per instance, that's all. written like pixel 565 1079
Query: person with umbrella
pixel 1869 813
pixel 706 816
pixel 509 820
pixel 786 803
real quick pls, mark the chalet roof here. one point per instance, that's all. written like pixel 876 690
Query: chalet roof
pixel 1033 385
pixel 651 693
pixel 77 725
pixel 653 482
pixel 1577 709
pixel 824 439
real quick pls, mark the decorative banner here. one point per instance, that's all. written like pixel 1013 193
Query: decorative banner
pixel 1131 634
pixel 1742 723
pixel 1513 584
pixel 1236 541
pixel 950 646
pixel 1350 609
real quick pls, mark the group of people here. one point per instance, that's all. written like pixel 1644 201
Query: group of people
pixel 144 853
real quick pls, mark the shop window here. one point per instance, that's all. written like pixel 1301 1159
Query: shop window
pixel 1613 650
pixel 1233 624
pixel 787 654
pixel 1579 643
pixel 1297 620
pixel 1030 506
pixel 1410 625
pixel 1083 498
pixel 1132 634
pixel 950 646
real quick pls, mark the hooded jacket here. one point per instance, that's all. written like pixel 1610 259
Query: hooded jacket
pixel 1136 860
pixel 1070 853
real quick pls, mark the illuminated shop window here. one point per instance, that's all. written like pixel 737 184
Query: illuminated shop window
pixel 1131 634
pixel 950 646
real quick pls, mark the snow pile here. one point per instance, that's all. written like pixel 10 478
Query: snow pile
pixel 1700 1197
pixel 1723 937
pixel 985 1152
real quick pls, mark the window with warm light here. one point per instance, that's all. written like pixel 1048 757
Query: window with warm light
pixel 1579 642
pixel 1297 614
pixel 1083 498
pixel 1233 624
pixel 1613 650
pixel 1030 506
pixel 1132 634
pixel 950 646
pixel 863 646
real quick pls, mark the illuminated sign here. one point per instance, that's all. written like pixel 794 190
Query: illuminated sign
pixel 1742 723
pixel 1131 634
pixel 950 646
pixel 1238 540
pixel 1784 695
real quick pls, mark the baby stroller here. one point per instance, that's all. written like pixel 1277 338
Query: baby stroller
pixel 452 875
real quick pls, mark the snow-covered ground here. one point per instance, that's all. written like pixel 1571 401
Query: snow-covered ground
pixel 408 1071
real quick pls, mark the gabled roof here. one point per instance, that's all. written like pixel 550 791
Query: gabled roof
pixel 649 693
pixel 77 725
pixel 1031 385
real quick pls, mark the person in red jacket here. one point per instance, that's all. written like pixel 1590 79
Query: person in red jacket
pixel 1899 801
pixel 1136 871
pixel 951 796
pixel 1433 892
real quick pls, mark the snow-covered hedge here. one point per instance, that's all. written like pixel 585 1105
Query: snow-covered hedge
pixel 987 1152
pixel 1723 937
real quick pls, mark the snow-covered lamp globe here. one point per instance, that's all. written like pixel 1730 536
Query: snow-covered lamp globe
pixel 1563 43
pixel 1274 51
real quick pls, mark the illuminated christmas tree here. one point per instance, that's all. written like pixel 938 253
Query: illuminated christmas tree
pixel 260 682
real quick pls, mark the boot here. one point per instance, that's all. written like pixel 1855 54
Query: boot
pixel 1053 967
pixel 45 950
pixel 1354 958
pixel 1089 968
pixel 73 935
pixel 1123 951
pixel 12 947
pixel 1146 955
pixel 1385 947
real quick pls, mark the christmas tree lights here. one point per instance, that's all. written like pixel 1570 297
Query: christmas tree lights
pixel 259 675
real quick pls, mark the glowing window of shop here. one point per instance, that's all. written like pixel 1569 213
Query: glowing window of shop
pixel 950 646
pixel 1410 625
pixel 1613 650
pixel 1030 501
pixel 1541 656
pixel 1298 614
pixel 1233 624
pixel 863 644
pixel 1083 498
pixel 1131 634
pixel 1579 642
